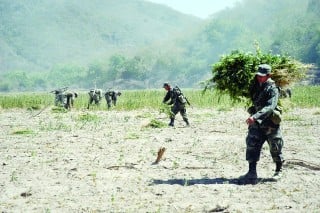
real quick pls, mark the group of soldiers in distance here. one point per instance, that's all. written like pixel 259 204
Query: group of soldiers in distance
pixel 66 98
pixel 173 97
pixel 111 96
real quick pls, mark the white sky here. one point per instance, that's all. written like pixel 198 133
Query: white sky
pixel 199 8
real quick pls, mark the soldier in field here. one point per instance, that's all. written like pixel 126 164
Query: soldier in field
pixel 95 95
pixel 178 101
pixel 263 124
pixel 111 97
pixel 60 98
pixel 70 97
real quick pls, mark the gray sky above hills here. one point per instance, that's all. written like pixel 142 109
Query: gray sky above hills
pixel 200 8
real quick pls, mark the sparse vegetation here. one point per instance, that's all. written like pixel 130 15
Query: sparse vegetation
pixel 88 117
pixel 108 165
pixel 23 132
pixel 154 123
pixel 303 96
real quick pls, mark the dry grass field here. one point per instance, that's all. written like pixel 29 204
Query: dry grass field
pixel 102 161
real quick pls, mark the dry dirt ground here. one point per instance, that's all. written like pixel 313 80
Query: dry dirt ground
pixel 102 161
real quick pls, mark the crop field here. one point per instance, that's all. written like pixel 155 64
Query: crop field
pixel 100 160
pixel 303 96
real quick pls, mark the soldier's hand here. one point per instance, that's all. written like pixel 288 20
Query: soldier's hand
pixel 250 121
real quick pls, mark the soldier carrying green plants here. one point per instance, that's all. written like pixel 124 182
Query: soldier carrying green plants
pixel 247 77
pixel 263 123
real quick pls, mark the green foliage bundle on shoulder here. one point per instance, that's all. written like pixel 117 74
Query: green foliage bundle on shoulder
pixel 234 73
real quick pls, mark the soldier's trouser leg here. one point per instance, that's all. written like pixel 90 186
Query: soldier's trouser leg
pixel 183 113
pixel 174 111
pixel 109 104
pixel 254 141
pixel 68 104
pixel 275 142
pixel 108 100
pixel 114 101
pixel 171 122
pixel 90 102
pixel 96 101
pixel 60 99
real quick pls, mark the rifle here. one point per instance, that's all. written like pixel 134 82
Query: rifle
pixel 183 95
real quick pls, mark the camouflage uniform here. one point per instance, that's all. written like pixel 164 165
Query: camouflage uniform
pixel 265 99
pixel 60 98
pixel 95 96
pixel 111 97
pixel 178 104
pixel 264 123
pixel 70 96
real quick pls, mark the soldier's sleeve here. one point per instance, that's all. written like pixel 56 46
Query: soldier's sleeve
pixel 166 98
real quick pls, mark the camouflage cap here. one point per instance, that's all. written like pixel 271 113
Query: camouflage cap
pixel 264 70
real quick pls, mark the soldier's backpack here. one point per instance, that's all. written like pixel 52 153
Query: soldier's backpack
pixel 179 95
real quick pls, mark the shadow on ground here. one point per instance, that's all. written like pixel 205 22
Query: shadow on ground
pixel 206 181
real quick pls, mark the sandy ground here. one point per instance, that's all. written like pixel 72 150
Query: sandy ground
pixel 101 161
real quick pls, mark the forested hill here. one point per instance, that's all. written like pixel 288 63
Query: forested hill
pixel 35 35
pixel 135 44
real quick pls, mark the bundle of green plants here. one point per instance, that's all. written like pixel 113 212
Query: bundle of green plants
pixel 58 109
pixel 233 74
pixel 88 117
pixel 23 132
pixel 154 123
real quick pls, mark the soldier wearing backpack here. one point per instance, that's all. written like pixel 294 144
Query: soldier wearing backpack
pixel 175 98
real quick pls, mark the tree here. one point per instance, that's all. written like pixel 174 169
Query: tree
pixel 66 75
pixel 116 66
pixel 19 81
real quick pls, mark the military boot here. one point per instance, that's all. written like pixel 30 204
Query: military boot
pixel 278 171
pixel 187 122
pixel 251 176
pixel 171 122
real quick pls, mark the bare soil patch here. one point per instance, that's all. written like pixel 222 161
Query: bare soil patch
pixel 102 161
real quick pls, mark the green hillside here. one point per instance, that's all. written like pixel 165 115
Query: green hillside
pixel 135 44
pixel 286 27
pixel 35 35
